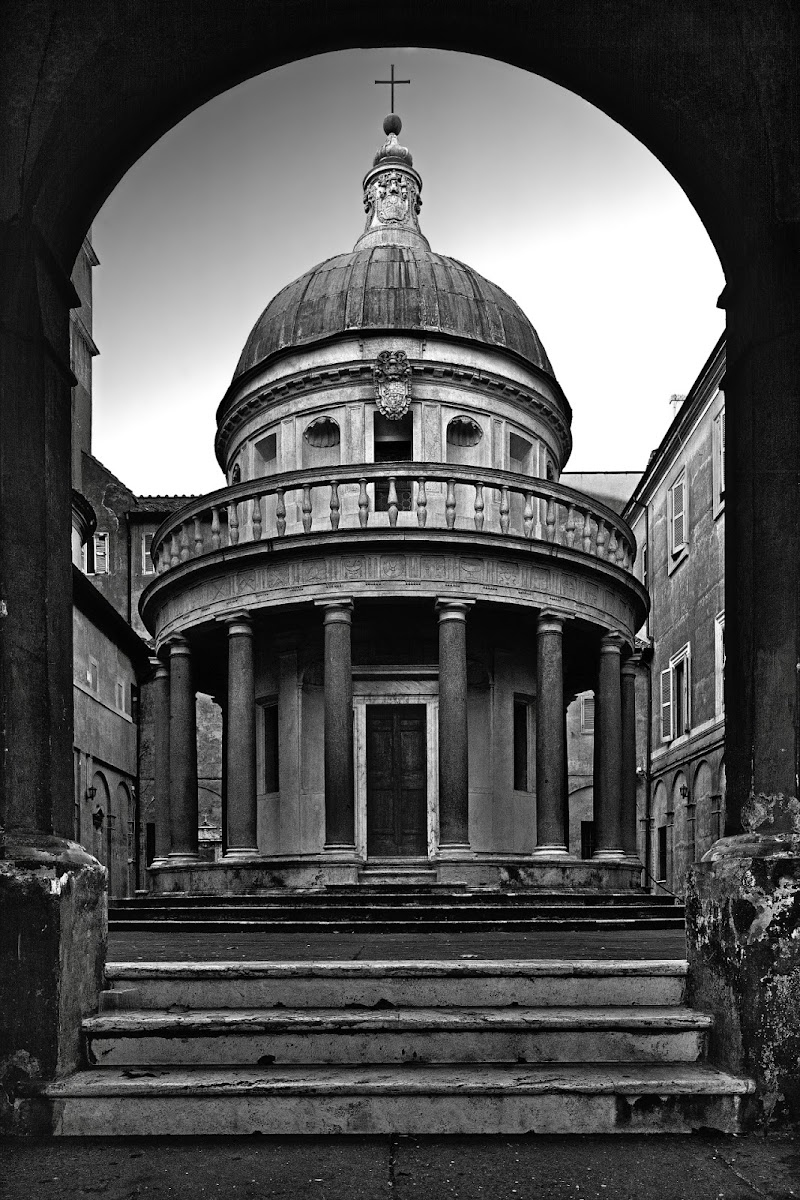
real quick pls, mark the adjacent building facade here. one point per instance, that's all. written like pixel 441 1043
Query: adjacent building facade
pixel 677 513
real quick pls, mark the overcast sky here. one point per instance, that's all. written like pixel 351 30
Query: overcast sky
pixel 533 187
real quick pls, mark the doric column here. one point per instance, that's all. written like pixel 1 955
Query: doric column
pixel 160 694
pixel 551 838
pixel 239 745
pixel 608 758
pixel 453 755
pixel 183 753
pixel 339 775
pixel 628 722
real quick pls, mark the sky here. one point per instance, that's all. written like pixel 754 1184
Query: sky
pixel 532 186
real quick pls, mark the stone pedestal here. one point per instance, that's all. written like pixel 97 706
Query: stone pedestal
pixel 743 947
pixel 52 955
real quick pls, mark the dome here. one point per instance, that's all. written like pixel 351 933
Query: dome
pixel 392 287
pixel 392 281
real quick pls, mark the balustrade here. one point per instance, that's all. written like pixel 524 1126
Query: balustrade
pixel 467 499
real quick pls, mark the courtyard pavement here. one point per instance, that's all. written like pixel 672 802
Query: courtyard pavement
pixel 695 1167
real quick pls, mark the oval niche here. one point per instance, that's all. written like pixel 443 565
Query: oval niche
pixel 463 431
pixel 322 433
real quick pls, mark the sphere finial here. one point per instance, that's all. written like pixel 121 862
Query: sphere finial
pixel 392 125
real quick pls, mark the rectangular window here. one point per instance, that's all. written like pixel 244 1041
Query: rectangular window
pixel 93 675
pixel 148 566
pixel 719 461
pixel 520 745
pixel 587 839
pixel 676 696
pixel 677 516
pixel 95 555
pixel 149 842
pixel 120 694
pixel 270 781
pixel 661 857
pixel 719 664
pixel 587 714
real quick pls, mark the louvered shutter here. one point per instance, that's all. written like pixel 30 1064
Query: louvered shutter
pixel 678 515
pixel 722 453
pixel 666 705
pixel 587 714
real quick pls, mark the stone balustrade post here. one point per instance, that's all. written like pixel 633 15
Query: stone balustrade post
pixel 239 742
pixel 339 772
pixel 453 734
pixel 551 835
pixel 183 753
pixel 161 769
pixel 608 752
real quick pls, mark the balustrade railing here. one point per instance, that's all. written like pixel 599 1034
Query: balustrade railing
pixel 431 496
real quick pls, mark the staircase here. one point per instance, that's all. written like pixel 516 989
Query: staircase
pixel 322 1047
pixel 396 908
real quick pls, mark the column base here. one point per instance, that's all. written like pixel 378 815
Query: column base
pixel 178 857
pixel 161 861
pixel 454 850
pixel 241 852
pixel 553 851
pixel 340 850
pixel 609 855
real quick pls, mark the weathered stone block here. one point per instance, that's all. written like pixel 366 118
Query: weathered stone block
pixel 52 956
pixel 743 945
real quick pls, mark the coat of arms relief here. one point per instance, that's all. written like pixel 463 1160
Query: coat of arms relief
pixel 392 376
pixel 391 197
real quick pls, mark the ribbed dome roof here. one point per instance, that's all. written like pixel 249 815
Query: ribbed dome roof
pixel 392 287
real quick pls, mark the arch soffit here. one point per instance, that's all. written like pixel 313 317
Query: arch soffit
pixel 92 117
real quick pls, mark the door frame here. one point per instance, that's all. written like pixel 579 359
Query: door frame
pixel 388 686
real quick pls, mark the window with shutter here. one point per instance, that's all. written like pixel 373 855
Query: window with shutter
pixel 666 705
pixel 722 453
pixel 678 515
pixel 587 714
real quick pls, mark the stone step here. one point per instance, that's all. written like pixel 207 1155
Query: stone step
pixel 432 894
pixel 408 984
pixel 446 1099
pixel 397 1035
pixel 386 909
pixel 458 924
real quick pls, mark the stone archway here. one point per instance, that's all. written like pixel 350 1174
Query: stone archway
pixel 713 93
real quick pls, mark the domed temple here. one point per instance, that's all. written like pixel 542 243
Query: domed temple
pixel 394 599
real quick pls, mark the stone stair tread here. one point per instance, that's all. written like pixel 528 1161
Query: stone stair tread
pixel 499 925
pixel 446 1079
pixel 403 968
pixel 139 1022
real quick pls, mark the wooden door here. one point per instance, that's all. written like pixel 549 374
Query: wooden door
pixel 396 780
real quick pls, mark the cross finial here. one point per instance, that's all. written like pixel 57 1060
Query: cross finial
pixel 392 82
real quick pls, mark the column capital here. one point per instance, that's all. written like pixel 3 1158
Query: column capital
pixel 454 609
pixel 160 669
pixel 336 611
pixel 178 645
pixel 611 643
pixel 238 624
pixel 550 622
pixel 630 665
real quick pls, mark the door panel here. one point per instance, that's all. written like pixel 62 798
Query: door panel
pixel 396 779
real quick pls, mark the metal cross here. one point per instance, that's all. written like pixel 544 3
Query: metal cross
pixel 392 82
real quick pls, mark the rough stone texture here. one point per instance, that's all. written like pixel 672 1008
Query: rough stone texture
pixel 52 952
pixel 743 933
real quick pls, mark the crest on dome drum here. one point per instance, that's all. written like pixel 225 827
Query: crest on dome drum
pixel 392 376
